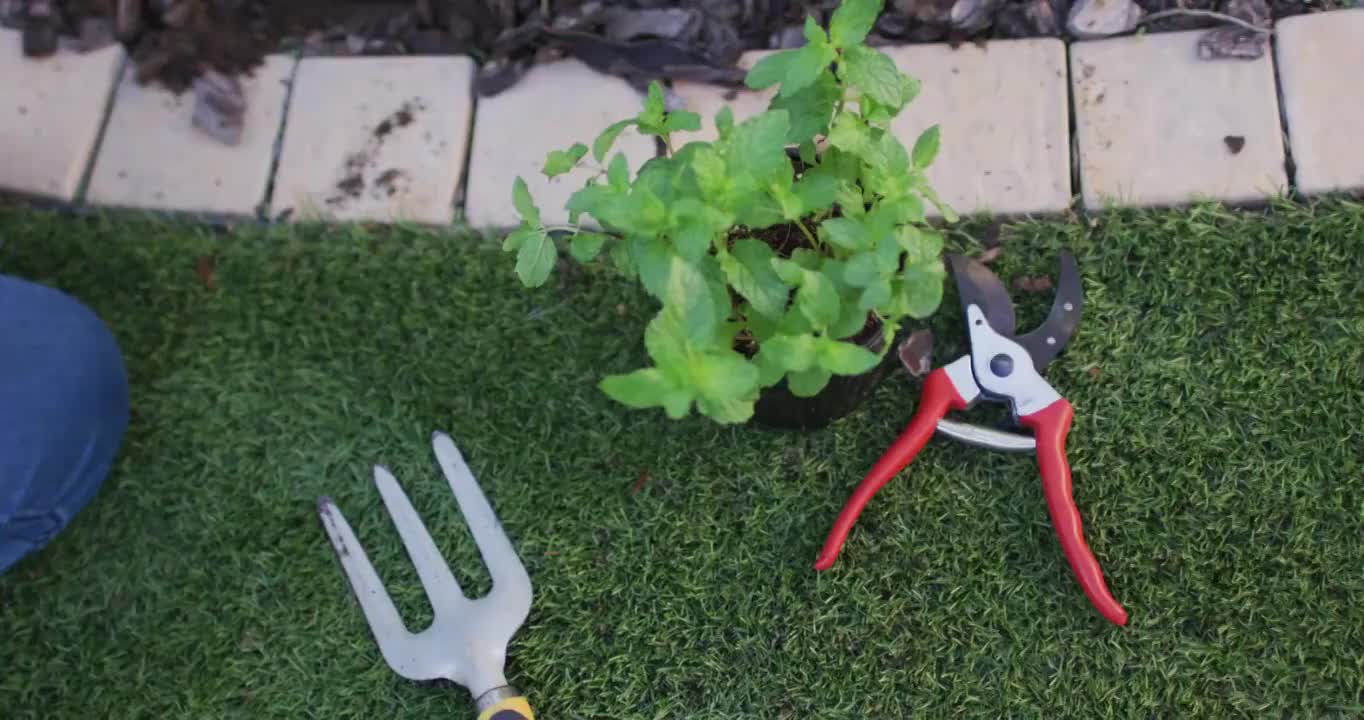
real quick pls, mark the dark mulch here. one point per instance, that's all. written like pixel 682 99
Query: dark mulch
pixel 174 41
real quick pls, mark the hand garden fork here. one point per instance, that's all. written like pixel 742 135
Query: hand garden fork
pixel 467 641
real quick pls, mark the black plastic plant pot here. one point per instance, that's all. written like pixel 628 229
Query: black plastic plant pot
pixel 778 408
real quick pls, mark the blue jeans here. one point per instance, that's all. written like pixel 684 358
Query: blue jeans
pixel 63 413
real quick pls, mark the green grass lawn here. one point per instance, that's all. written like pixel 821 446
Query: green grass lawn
pixel 1217 450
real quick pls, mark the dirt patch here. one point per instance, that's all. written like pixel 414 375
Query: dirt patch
pixel 388 182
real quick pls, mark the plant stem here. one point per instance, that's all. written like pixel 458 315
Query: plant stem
pixel 808 236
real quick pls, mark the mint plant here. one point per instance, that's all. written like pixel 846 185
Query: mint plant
pixel 767 266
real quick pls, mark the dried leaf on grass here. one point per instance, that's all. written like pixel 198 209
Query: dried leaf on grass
pixel 1032 283
pixel 205 268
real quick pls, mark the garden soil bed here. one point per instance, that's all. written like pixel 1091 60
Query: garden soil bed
pixel 172 42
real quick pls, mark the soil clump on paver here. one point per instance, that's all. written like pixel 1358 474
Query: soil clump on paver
pixel 351 183
pixel 174 42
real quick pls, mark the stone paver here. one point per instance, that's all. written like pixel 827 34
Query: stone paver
pixel 51 110
pixel 550 108
pixel 379 139
pixel 1156 125
pixel 1003 118
pixel 152 157
pixel 1321 62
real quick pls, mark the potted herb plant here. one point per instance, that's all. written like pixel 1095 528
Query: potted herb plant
pixel 786 253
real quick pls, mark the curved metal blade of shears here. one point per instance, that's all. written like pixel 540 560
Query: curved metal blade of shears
pixel 1047 341
pixel 976 285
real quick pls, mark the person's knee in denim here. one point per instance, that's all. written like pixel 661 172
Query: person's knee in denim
pixel 63 413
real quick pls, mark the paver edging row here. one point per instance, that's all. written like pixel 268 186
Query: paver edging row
pixel 1273 171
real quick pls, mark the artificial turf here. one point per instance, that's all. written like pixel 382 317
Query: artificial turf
pixel 1218 381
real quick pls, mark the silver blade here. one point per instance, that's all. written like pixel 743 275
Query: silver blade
pixel 394 640
pixel 511 592
pixel 441 586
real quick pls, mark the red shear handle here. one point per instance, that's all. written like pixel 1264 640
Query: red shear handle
pixel 1050 426
pixel 939 394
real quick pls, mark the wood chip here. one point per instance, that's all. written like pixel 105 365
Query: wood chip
pixel 916 352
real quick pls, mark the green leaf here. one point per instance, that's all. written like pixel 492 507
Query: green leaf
pixel 665 339
pixel 723 376
pixel 921 245
pixel 791 207
pixel 850 135
pixel 757 210
pixel 863 269
pixel 709 170
pixel 845 358
pixel 682 120
pixel 876 294
pixel 695 225
pixel 516 238
pixel 653 258
pixel 521 200
pixel 727 412
pixel 810 109
pixel 749 270
pixel 536 258
pixel 851 320
pixel 816 191
pixel 925 148
pixel 888 253
pixel 845 232
pixel 807 258
pixel 790 352
pixel 817 300
pixel 946 210
pixel 760 326
pixel 607 138
pixel 850 200
pixel 689 300
pixel 650 119
pixel 621 258
pixel 647 388
pixel 810 60
pixel 852 21
pixel 891 213
pixel 693 239
pixel 808 383
pixel 559 162
pixel 921 288
pixel 724 123
pixel 758 148
pixel 618 173
pixel 769 71
pixel 891 160
pixel 586 245
pixel 876 75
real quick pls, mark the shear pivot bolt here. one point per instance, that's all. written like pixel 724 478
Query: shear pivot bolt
pixel 1001 365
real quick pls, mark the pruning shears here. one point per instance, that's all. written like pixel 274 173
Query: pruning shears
pixel 1005 368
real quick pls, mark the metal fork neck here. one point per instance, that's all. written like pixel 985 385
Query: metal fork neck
pixel 495 696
